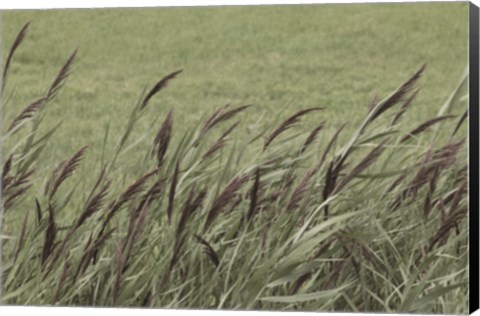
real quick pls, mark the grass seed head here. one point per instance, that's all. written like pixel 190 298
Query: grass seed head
pixel 161 84
pixel 288 123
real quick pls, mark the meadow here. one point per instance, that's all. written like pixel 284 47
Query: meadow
pixel 277 157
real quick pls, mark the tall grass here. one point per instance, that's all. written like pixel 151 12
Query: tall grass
pixel 270 219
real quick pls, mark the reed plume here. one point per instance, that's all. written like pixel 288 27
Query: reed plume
pixel 38 210
pixel 61 77
pixel 15 186
pixel 288 123
pixel 28 112
pixel 16 43
pixel 213 116
pixel 299 193
pixel 191 205
pixel 21 238
pixel 50 234
pixel 162 83
pixel 120 261
pixel 129 194
pixel 398 95
pixel 312 136
pixel 254 195
pixel 220 143
pixel 94 205
pixel 228 195
pixel 330 145
pixel 208 249
pixel 162 140
pixel 7 166
pixel 460 122
pixel 222 115
pixel 422 127
pixel 171 194
pixel 370 158
pixel 91 251
pixel 404 108
pixel 155 191
pixel 66 169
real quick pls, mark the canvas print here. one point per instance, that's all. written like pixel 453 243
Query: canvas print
pixel 280 157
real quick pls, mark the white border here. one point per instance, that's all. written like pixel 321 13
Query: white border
pixel 79 311
pixel 50 4
pixel 57 4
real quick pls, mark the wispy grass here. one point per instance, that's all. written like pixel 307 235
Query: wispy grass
pixel 288 218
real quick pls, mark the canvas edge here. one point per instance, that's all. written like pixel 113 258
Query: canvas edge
pixel 473 155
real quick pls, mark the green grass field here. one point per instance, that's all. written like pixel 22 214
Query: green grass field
pixel 289 210
pixel 278 58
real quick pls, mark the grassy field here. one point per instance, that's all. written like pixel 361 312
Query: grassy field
pixel 276 58
pixel 186 210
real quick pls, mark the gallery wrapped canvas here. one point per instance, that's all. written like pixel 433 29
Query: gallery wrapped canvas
pixel 319 158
